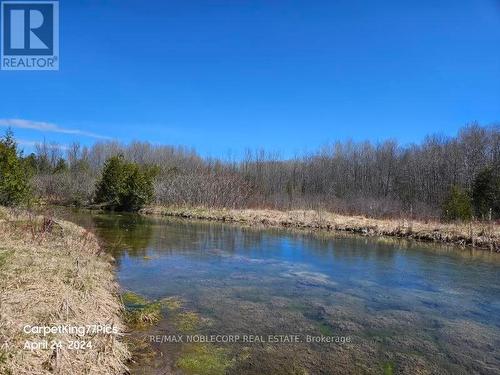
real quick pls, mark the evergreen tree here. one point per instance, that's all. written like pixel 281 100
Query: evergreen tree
pixel 486 193
pixel 14 179
pixel 457 206
pixel 124 185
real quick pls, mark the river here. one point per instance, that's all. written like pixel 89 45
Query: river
pixel 270 301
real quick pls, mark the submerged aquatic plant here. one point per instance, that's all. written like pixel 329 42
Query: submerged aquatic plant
pixel 139 311
pixel 325 329
pixel 187 322
pixel 205 360
pixel 388 368
pixel 171 303
pixel 131 299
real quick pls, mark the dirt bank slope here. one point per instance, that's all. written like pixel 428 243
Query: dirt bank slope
pixel 475 234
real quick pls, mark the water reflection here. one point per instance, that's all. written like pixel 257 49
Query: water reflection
pixel 409 307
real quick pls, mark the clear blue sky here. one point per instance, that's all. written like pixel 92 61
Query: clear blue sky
pixel 284 75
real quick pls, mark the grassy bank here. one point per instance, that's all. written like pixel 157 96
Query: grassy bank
pixel 481 235
pixel 53 274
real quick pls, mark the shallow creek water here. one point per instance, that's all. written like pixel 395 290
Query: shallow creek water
pixel 388 306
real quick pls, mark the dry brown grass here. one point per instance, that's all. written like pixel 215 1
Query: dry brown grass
pixel 53 273
pixel 482 235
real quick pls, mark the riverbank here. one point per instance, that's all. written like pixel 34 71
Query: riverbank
pixel 54 276
pixel 479 235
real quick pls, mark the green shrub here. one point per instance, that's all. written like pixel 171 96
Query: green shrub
pixel 14 176
pixel 125 186
pixel 486 193
pixel 457 205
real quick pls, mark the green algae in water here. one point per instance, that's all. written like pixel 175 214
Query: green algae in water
pixel 131 299
pixel 172 303
pixel 205 360
pixel 139 311
pixel 298 306
pixel 388 368
pixel 325 329
pixel 142 312
pixel 145 316
pixel 187 322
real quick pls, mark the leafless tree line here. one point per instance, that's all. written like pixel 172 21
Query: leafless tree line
pixel 382 179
